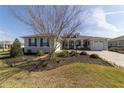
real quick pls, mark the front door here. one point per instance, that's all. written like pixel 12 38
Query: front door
pixel 71 44
pixel 86 44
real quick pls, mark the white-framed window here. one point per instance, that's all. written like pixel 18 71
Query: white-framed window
pixel 32 41
pixel 44 42
pixel 101 41
pixel 96 41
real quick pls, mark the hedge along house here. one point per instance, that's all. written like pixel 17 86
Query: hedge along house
pixel 35 43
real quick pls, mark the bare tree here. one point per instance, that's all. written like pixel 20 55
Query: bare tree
pixel 53 21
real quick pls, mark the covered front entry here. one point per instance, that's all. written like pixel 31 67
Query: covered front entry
pixel 86 44
pixel 71 44
pixel 65 44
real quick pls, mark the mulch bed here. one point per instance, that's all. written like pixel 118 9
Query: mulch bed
pixel 74 59
pixel 30 65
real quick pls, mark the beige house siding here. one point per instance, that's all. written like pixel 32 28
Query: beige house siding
pixel 36 48
pixel 92 45
pixel 87 42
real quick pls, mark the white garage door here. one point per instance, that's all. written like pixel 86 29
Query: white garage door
pixel 98 45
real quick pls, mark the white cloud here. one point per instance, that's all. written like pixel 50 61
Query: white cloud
pixel 96 19
pixel 115 12
pixel 4 32
pixel 4 35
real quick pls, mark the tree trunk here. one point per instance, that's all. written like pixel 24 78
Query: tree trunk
pixel 51 49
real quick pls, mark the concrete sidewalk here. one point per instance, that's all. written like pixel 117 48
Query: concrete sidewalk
pixel 112 57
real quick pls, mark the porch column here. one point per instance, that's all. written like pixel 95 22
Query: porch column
pixel 74 44
pixel 38 42
pixel 67 44
pixel 82 44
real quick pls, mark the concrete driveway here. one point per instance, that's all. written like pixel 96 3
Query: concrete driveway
pixel 112 57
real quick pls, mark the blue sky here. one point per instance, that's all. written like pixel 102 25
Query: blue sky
pixel 105 21
pixel 10 27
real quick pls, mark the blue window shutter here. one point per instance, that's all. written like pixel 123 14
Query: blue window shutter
pixel 35 41
pixel 41 41
pixel 47 42
pixel 29 42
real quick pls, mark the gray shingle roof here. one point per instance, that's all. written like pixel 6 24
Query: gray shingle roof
pixel 79 37
pixel 118 38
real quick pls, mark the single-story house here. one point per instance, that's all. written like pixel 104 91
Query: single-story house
pixel 116 42
pixel 34 43
pixel 5 44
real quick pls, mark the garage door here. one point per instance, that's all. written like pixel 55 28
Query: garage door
pixel 98 45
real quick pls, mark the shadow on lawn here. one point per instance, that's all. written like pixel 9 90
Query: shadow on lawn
pixel 24 63
pixel 7 74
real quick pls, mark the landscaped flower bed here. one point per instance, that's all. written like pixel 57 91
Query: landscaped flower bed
pixel 40 63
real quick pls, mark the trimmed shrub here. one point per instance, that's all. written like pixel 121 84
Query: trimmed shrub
pixel 83 53
pixel 16 50
pixel 94 56
pixel 73 53
pixel 45 64
pixel 40 53
pixel 58 54
pixel 58 60
pixel 63 53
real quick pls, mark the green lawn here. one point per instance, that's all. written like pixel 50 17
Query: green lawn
pixel 73 75
pixel 5 51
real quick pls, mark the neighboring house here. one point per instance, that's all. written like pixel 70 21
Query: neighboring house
pixel 34 43
pixel 116 42
pixel 5 44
